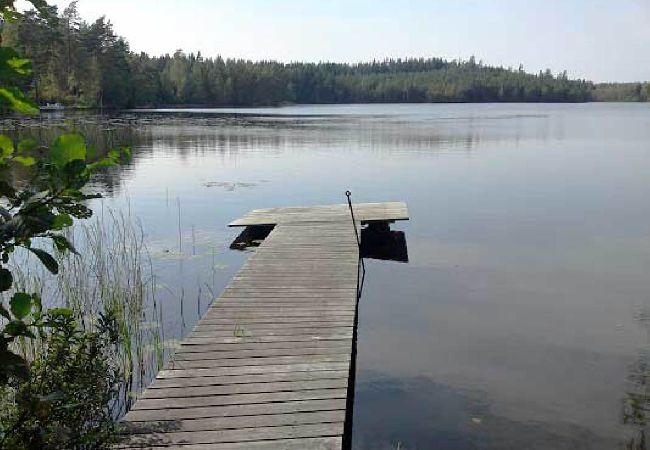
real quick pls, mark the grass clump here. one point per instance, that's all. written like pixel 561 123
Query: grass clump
pixel 115 277
pixel 94 350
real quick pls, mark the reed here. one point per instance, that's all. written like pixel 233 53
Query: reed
pixel 112 274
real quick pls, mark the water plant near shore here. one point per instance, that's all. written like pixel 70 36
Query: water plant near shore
pixel 103 318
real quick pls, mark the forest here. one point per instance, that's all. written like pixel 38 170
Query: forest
pixel 83 64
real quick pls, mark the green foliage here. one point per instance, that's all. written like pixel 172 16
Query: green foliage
pixel 81 63
pixel 14 71
pixel 22 318
pixel 39 209
pixel 14 99
pixel 21 305
pixel 62 400
pixel 65 402
pixel 622 92
pixel 67 148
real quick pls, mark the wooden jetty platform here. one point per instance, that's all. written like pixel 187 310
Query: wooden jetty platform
pixel 268 366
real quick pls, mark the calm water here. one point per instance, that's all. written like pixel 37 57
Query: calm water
pixel 518 321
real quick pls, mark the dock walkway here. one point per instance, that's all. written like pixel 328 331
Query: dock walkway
pixel 268 366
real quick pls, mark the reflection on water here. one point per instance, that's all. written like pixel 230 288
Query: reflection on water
pixel 512 326
pixel 378 241
pixel 418 413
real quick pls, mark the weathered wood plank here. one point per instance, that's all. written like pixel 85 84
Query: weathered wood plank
pixel 328 443
pixel 241 435
pixel 261 361
pixel 249 388
pixel 245 379
pixel 282 303
pixel 364 212
pixel 145 415
pixel 241 399
pixel 282 334
pixel 215 319
pixel 267 367
pixel 266 339
pixel 233 326
pixel 284 312
pixel 224 423
pixel 217 347
pixel 244 313
pixel 258 353
pixel 250 370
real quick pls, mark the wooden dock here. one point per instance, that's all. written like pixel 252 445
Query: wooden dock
pixel 268 366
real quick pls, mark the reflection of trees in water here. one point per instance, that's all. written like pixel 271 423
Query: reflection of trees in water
pixel 101 134
pixel 280 137
pixel 636 404
pixel 229 136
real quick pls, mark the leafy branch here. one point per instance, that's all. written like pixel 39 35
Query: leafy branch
pixel 38 209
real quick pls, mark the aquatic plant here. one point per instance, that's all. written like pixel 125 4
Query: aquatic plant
pixel 115 276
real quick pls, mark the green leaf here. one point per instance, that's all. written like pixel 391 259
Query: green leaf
pixel 67 148
pixel 6 279
pixel 18 328
pixel 13 365
pixel 77 210
pixel 7 190
pixel 62 221
pixel 20 304
pixel 33 220
pixel 11 64
pixel 60 312
pixel 62 244
pixel 27 145
pixel 75 174
pixel 112 158
pixel 26 161
pixel 4 313
pixel 14 99
pixel 20 66
pixel 6 146
pixel 48 261
pixel 126 153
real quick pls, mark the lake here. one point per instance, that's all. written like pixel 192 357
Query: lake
pixel 519 320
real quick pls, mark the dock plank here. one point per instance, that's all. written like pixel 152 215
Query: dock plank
pixel 268 365
pixel 329 443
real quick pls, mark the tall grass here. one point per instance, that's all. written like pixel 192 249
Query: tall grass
pixel 112 274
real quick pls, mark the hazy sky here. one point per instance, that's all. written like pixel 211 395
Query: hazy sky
pixel 602 40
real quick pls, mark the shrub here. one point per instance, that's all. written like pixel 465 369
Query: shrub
pixel 65 403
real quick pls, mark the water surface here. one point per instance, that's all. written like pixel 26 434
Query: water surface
pixel 518 321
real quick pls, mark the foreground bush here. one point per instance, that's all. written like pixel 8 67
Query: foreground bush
pixel 65 403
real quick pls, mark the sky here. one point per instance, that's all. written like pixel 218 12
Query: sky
pixel 600 40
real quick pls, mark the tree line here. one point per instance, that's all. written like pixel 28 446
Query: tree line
pixel 622 92
pixel 87 64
